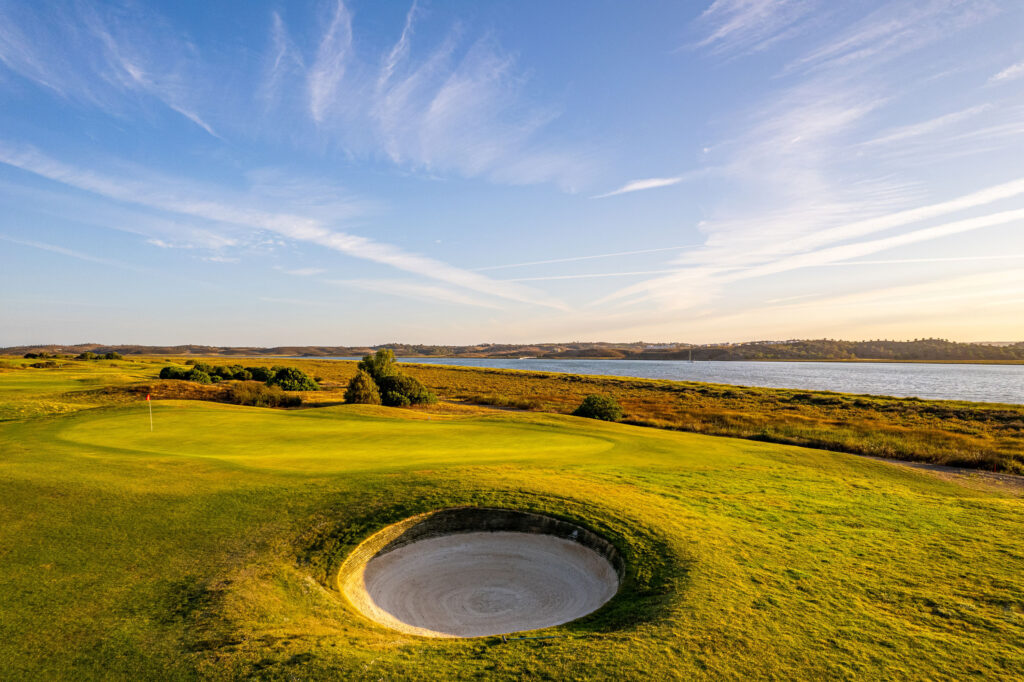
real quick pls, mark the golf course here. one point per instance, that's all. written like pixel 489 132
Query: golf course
pixel 209 544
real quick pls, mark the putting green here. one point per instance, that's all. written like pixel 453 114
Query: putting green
pixel 210 548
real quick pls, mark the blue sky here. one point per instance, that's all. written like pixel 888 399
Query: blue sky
pixel 271 173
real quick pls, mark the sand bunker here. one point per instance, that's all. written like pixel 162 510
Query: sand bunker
pixel 472 584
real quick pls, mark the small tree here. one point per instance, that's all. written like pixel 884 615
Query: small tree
pixel 379 365
pixel 600 407
pixel 362 390
pixel 293 379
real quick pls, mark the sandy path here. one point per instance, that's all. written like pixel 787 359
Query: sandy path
pixel 476 584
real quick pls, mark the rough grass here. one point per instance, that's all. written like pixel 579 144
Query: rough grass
pixel 205 548
pixel 978 435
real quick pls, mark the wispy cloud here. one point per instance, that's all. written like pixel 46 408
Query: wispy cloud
pixel 617 254
pixel 332 57
pixel 817 177
pixel 638 185
pixel 301 272
pixel 419 291
pixel 1008 74
pixel 71 253
pixel 929 126
pixel 456 107
pixel 96 56
pixel 166 194
pixel 738 26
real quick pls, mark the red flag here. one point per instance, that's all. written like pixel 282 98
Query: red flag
pixel 147 396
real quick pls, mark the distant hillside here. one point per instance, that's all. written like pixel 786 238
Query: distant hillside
pixel 920 350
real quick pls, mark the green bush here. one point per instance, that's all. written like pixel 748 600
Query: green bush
pixel 600 407
pixel 260 395
pixel 86 356
pixel 172 372
pixel 362 390
pixel 113 356
pixel 197 375
pixel 293 379
pixel 46 364
pixel 407 387
pixel 393 399
pixel 260 373
pixel 379 365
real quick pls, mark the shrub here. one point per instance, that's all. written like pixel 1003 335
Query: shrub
pixel 260 373
pixel 86 356
pixel 393 399
pixel 31 356
pixel 172 372
pixel 402 385
pixel 362 390
pixel 600 407
pixel 113 356
pixel 293 379
pixel 197 375
pixel 47 364
pixel 260 395
pixel 379 365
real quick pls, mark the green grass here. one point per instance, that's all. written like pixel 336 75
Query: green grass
pixel 206 548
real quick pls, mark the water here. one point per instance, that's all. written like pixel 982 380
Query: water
pixel 985 383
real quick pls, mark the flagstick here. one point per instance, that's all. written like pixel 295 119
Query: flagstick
pixel 148 402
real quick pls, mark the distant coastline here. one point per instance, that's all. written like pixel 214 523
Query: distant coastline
pixel 805 350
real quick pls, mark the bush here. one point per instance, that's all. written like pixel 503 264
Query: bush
pixel 393 399
pixel 30 356
pixel 86 356
pixel 600 407
pixel 407 387
pixel 172 372
pixel 197 375
pixel 362 390
pixel 47 364
pixel 379 365
pixel 260 373
pixel 113 356
pixel 293 379
pixel 260 395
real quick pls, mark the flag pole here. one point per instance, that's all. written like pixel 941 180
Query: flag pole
pixel 150 403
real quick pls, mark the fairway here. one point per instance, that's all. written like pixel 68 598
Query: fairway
pixel 210 547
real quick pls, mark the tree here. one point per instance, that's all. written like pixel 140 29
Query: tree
pixel 399 390
pixel 293 379
pixel 602 407
pixel 362 390
pixel 379 365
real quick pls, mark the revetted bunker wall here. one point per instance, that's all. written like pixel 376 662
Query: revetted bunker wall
pixel 467 520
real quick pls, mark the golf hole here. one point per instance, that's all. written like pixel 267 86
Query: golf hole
pixel 473 572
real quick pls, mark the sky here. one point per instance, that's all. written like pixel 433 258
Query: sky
pixel 348 173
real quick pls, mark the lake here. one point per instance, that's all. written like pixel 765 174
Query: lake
pixel 985 383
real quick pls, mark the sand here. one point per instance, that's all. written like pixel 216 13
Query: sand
pixel 477 584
